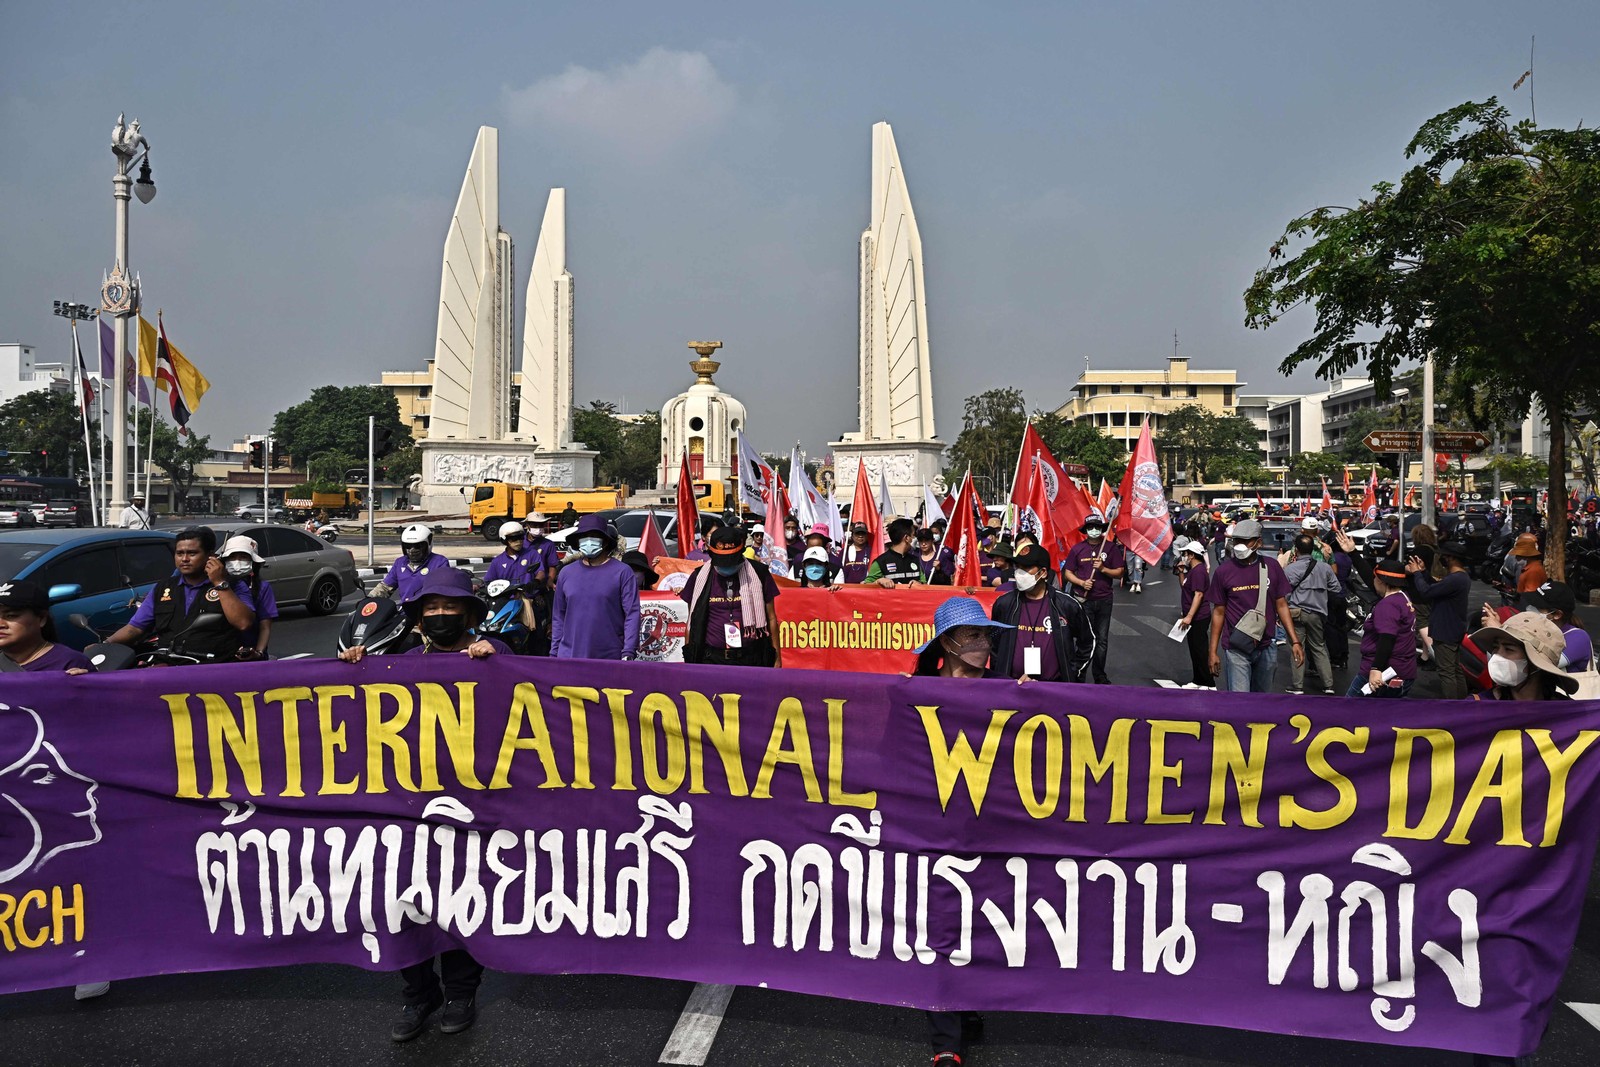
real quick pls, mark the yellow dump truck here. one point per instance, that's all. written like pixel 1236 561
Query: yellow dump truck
pixel 339 504
pixel 496 502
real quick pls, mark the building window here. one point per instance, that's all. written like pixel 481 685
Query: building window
pixel 1227 396
pixel 424 391
pixel 1139 389
pixel 1194 391
pixel 1115 389
pixel 1117 419
pixel 422 420
pixel 1091 390
pixel 1166 390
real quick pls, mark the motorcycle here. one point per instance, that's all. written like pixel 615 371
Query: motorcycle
pixel 380 625
pixel 149 652
pixel 325 530
pixel 505 619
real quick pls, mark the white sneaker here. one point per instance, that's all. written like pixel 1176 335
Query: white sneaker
pixel 91 990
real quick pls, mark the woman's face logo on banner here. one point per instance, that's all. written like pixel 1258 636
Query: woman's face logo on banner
pixel 45 806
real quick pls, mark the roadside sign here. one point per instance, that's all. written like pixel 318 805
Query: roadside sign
pixel 1469 441
pixel 1393 441
pixel 1076 470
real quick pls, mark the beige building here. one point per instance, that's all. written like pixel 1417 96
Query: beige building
pixel 413 390
pixel 1118 401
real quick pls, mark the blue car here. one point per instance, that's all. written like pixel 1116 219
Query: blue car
pixel 101 574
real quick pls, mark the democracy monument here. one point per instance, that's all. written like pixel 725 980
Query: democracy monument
pixel 491 421
pixel 895 394
pixel 484 424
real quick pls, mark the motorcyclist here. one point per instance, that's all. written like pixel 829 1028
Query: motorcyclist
pixel 200 587
pixel 537 525
pixel 417 558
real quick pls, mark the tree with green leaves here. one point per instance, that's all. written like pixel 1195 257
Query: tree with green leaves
pixel 1520 471
pixel 334 419
pixel 43 433
pixel 629 450
pixel 1206 446
pixel 992 424
pixel 1484 257
pixel 1081 442
pixel 1315 466
pixel 178 455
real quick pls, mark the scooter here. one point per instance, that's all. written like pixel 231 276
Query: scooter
pixel 104 656
pixel 325 530
pixel 380 625
pixel 505 619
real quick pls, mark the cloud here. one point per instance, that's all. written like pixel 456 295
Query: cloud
pixel 640 110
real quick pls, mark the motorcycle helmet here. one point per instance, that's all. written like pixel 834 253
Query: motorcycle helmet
pixel 416 534
pixel 510 529
pixel 378 623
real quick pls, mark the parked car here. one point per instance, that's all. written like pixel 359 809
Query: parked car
pixel 17 513
pixel 65 512
pixel 252 513
pixel 1381 542
pixel 630 526
pixel 100 574
pixel 303 568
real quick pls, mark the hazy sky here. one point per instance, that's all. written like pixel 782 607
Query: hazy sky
pixel 1087 177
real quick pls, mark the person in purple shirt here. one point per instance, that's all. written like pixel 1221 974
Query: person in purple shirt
pixel 181 610
pixel 446 612
pixel 243 564
pixel 1246 666
pixel 548 551
pixel 1093 565
pixel 857 555
pixel 1193 613
pixel 1389 637
pixel 791 537
pixel 517 564
pixel 596 610
pixel 731 617
pixel 417 559
pixel 937 563
pixel 28 634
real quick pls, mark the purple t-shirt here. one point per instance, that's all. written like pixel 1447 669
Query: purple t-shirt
pixel 266 608
pixel 1392 615
pixel 595 612
pixel 1237 588
pixel 722 606
pixel 406 580
pixel 500 648
pixel 1196 581
pixel 854 567
pixel 1083 557
pixel 1034 631
pixel 1580 649
pixel 59 658
pixel 518 568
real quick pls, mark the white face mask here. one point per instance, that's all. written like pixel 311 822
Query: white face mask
pixel 1243 551
pixel 238 568
pixel 1094 533
pixel 590 546
pixel 1025 581
pixel 1507 672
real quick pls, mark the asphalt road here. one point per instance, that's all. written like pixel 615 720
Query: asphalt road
pixel 326 1014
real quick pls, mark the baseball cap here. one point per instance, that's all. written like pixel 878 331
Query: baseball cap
pixel 1552 596
pixel 25 595
pixel 815 552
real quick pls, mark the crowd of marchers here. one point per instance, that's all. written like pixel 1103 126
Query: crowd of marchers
pixel 1238 607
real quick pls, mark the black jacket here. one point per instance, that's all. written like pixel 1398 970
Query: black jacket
pixel 182 632
pixel 1069 628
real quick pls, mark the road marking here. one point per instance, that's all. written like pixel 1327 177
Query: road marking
pixel 1160 626
pixel 1122 629
pixel 1589 1012
pixel 1167 683
pixel 697 1027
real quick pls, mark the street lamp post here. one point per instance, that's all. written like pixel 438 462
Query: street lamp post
pixel 75 313
pixel 119 296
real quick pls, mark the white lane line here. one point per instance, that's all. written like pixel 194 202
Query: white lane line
pixel 1160 626
pixel 697 1027
pixel 1589 1012
pixel 1122 629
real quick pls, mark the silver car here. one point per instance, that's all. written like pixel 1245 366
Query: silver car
pixel 303 568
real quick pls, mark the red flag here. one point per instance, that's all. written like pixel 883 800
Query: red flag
pixel 1454 500
pixel 1078 505
pixel 773 499
pixel 1396 494
pixel 1065 501
pixel 864 509
pixel 948 504
pixel 688 512
pixel 1369 503
pixel 651 542
pixel 1411 495
pixel 1103 502
pixel 1261 505
pixel 980 510
pixel 1144 522
pixel 962 537
pixel 1037 518
pixel 1327 498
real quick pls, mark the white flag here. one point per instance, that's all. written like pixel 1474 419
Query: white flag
pixel 809 507
pixel 885 505
pixel 755 477
pixel 932 508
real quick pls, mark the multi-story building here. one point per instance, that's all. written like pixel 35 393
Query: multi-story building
pixel 21 372
pixel 413 390
pixel 1319 422
pixel 1118 401
pixel 1255 407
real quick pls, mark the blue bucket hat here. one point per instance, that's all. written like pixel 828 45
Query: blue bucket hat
pixel 450 582
pixel 959 611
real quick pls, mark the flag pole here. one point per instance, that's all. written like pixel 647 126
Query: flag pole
pixel 149 451
pixel 100 415
pixel 1016 473
pixel 83 411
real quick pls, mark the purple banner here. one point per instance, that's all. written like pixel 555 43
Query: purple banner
pixel 1408 872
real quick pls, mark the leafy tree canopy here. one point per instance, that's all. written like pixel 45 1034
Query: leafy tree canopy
pixel 629 451
pixel 1081 442
pixel 178 455
pixel 46 424
pixel 1208 447
pixel 334 419
pixel 1485 257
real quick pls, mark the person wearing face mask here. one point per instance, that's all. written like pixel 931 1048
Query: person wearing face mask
pixel 960 647
pixel 243 563
pixel 1447 597
pixel 937 563
pixel 1047 636
pixel 1524 656
pixel 816 569
pixel 791 538
pixel 1557 602
pixel 1191 566
pixel 857 555
pixel 417 560
pixel 537 526
pixel 897 564
pixel 731 616
pixel 445 610
pixel 182 610
pixel 596 610
pixel 1311 583
pixel 1389 637
pixel 1248 590
pixel 1093 565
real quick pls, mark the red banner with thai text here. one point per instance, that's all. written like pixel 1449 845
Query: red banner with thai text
pixel 862 628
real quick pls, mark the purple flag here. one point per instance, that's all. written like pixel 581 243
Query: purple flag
pixel 108 347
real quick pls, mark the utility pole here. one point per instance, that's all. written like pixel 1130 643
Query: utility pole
pixel 1427 442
